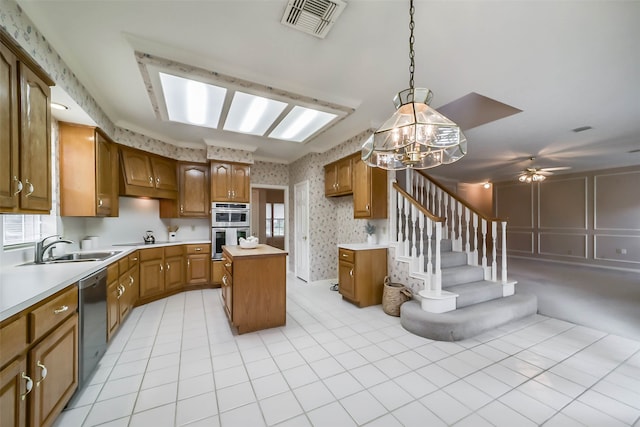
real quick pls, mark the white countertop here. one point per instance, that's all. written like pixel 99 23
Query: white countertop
pixel 24 285
pixel 362 246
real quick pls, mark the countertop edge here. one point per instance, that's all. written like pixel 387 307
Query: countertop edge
pixel 362 246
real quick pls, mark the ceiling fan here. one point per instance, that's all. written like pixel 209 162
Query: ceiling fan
pixel 534 174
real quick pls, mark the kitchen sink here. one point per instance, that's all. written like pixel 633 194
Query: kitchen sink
pixel 79 257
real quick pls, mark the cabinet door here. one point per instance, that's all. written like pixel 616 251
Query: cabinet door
pixel 221 175
pixel 330 179
pixel 194 190
pixel 106 177
pixel 241 183
pixel 217 270
pixel 151 278
pixel 124 302
pixel 13 386
pixel 137 168
pixel 35 142
pixel 164 173
pixel 132 284
pixel 174 272
pixel 9 181
pixel 344 176
pixel 227 294
pixel 54 367
pixel 361 190
pixel 346 279
pixel 198 269
pixel 113 308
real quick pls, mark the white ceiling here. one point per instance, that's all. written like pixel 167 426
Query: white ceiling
pixel 566 64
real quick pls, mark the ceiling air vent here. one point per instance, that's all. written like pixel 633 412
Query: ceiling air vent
pixel 315 17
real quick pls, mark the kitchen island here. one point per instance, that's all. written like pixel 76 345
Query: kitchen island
pixel 254 286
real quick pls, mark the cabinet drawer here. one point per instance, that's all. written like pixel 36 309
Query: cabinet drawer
pixel 123 264
pixel 53 312
pixel 13 339
pixel 346 255
pixel 149 254
pixel 112 272
pixel 198 249
pixel 170 251
pixel 227 264
pixel 133 259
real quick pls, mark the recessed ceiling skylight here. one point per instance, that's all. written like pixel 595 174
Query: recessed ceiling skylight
pixel 192 102
pixel 301 123
pixel 252 114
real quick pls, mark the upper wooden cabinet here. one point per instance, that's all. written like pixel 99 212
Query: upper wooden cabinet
pixel 369 191
pixel 88 172
pixel 147 175
pixel 25 132
pixel 337 177
pixel 230 182
pixel 193 193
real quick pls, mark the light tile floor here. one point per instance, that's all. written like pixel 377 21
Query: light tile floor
pixel 176 362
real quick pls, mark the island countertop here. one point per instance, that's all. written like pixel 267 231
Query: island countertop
pixel 261 250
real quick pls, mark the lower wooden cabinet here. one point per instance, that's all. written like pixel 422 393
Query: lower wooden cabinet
pixel 151 272
pixel 198 264
pixel 361 275
pixel 37 384
pixel 217 271
pixel 174 268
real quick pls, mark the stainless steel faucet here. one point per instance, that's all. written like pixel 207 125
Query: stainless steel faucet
pixel 41 247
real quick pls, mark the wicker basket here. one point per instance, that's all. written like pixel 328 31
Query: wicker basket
pixel 393 295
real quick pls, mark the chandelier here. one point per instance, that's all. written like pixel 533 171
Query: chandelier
pixel 531 175
pixel 416 136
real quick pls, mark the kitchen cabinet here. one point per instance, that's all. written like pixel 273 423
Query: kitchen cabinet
pixel 88 172
pixel 25 132
pixel 230 182
pixel 113 297
pixel 174 267
pixel 198 264
pixel 217 271
pixel 254 287
pixel 161 272
pixel 193 193
pixel 338 177
pixel 147 175
pixel 361 275
pixel 369 191
pixel 39 374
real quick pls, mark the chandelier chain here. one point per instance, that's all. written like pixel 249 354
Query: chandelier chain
pixel 412 65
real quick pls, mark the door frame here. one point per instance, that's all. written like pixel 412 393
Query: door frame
pixel 286 209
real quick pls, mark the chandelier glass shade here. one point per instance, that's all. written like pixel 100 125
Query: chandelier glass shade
pixel 530 176
pixel 416 136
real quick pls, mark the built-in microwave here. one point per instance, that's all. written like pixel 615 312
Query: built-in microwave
pixel 230 215
pixel 226 236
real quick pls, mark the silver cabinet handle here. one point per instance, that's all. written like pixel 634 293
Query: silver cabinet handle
pixel 19 185
pixel 198 249
pixel 135 259
pixel 31 189
pixel 131 280
pixel 228 265
pixel 351 273
pixel 158 180
pixel 181 209
pixel 161 269
pixel 43 373
pixel 224 280
pixel 61 309
pixel 99 203
pixel 188 263
pixel 367 206
pixel 168 267
pixel 150 180
pixel 345 255
pixel 28 386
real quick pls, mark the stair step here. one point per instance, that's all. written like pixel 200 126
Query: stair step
pixel 466 322
pixel 452 259
pixel 461 274
pixel 475 292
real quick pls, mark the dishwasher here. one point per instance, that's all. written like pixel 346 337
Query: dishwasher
pixel 92 295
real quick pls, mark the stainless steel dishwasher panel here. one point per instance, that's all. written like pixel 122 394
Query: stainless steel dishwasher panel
pixel 93 323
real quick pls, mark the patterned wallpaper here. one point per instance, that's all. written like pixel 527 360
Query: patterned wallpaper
pixel 152 145
pixel 269 173
pixel 229 154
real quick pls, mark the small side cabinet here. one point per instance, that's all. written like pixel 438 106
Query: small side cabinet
pixel 361 275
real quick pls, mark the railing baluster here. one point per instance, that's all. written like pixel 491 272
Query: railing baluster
pixel 494 235
pixel 429 251
pixel 484 243
pixel 421 228
pixel 406 228
pixel 467 225
pixel 437 274
pixel 399 202
pixel 414 247
pixel 504 251
pixel 475 239
pixel 445 214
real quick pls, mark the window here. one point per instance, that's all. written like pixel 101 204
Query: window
pixel 275 219
pixel 23 229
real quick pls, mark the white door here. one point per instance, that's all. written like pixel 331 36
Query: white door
pixel 301 218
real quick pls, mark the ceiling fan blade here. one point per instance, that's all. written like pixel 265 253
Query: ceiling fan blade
pixel 473 110
pixel 558 168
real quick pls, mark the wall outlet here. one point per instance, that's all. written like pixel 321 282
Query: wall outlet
pixel 621 251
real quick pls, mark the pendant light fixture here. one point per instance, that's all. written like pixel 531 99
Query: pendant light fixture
pixel 416 136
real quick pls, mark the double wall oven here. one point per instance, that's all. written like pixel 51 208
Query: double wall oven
pixel 229 222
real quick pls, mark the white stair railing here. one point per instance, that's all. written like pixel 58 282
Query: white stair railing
pixel 469 230
pixel 419 234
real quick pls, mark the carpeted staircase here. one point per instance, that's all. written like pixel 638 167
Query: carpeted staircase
pixel 480 304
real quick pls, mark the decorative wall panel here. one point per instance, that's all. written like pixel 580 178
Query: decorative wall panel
pixel 618 248
pixel 572 245
pixel 617 201
pixel 515 204
pixel 562 203
pixel 520 241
